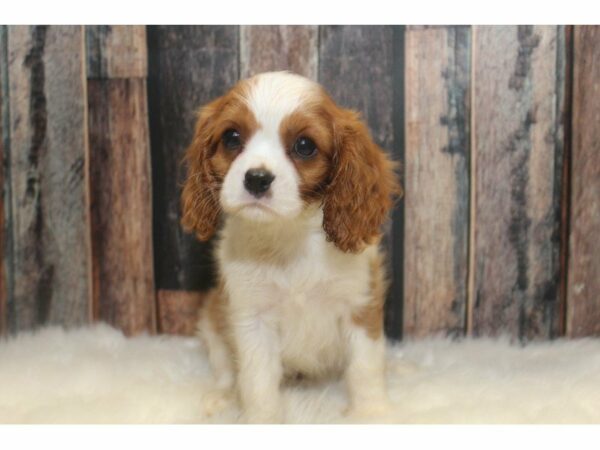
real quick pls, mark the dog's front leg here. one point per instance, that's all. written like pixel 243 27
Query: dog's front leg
pixel 259 368
pixel 365 373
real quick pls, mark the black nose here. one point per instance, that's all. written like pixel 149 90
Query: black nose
pixel 257 181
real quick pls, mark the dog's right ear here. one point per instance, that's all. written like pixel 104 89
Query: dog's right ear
pixel 200 196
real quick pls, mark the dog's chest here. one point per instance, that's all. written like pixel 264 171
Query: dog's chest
pixel 306 293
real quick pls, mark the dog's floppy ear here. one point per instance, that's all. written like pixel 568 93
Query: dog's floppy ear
pixel 362 186
pixel 200 196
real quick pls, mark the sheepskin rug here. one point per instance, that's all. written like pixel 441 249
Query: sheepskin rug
pixel 96 375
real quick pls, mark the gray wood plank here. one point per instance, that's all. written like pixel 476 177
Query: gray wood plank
pixel 48 171
pixel 278 47
pixel 4 255
pixel 518 147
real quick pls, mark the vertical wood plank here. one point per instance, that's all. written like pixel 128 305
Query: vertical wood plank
pixel 120 179
pixel 273 47
pixel 188 67
pixel 116 51
pixel 357 66
pixel 583 290
pixel 179 311
pixel 518 144
pixel 48 170
pixel 437 179
pixel 3 180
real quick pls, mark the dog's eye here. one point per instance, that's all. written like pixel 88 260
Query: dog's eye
pixel 231 139
pixel 305 147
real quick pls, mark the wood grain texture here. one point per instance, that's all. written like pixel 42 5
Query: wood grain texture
pixel 3 179
pixel 518 144
pixel 120 178
pixel 357 66
pixel 121 204
pixel 116 51
pixel 583 290
pixel 178 311
pixel 188 67
pixel 437 180
pixel 48 171
pixel 268 48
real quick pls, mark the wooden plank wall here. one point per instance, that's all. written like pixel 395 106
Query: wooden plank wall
pixel 494 125
pixel 437 85
pixel 46 161
pixel 583 301
pixel 518 76
pixel 120 178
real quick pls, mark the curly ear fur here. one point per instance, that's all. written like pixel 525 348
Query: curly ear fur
pixel 362 187
pixel 200 196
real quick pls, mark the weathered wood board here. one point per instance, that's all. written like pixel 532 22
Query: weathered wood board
pixel 437 92
pixel 116 51
pixel 120 178
pixel 272 47
pixel 48 177
pixel 518 76
pixel 3 180
pixel 583 290
pixel 178 311
pixel 188 67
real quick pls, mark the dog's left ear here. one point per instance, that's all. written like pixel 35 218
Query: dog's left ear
pixel 200 196
pixel 362 187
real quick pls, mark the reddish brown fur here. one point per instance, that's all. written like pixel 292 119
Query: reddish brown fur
pixel 363 182
pixel 351 176
pixel 370 316
pixel 208 162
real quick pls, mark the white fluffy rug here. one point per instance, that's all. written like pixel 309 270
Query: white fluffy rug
pixel 96 375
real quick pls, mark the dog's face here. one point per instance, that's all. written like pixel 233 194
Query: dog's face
pixel 275 144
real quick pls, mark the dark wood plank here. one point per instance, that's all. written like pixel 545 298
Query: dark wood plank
pixel 583 300
pixel 3 179
pixel 178 311
pixel 437 180
pixel 188 67
pixel 116 51
pixel 274 47
pixel 48 171
pixel 517 162
pixel 357 66
pixel 121 204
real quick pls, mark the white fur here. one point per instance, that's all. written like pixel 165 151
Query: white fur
pixel 273 96
pixel 291 297
pixel 96 375
pixel 291 293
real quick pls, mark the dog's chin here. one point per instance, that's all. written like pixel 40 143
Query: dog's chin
pixel 257 212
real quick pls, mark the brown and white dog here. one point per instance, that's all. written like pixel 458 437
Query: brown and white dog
pixel 298 191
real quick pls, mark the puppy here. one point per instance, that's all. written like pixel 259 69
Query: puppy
pixel 296 191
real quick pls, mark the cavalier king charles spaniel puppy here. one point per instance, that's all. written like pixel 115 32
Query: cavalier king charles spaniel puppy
pixel 296 191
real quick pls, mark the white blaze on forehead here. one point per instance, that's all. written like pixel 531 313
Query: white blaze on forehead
pixel 275 95
pixel 271 97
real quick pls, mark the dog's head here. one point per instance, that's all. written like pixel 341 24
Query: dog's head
pixel 275 144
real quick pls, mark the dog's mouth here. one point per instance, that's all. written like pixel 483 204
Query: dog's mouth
pixel 255 209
